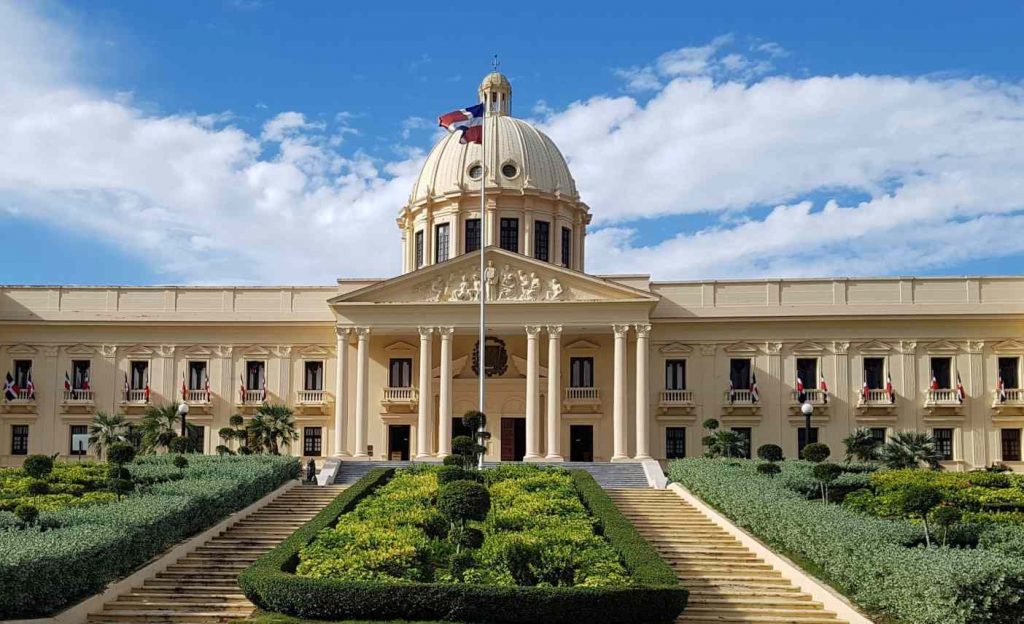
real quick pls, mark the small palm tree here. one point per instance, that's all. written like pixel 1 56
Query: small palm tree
pixel 911 449
pixel 270 427
pixel 861 445
pixel 160 426
pixel 726 443
pixel 106 430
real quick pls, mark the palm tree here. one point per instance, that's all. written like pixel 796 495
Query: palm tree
pixel 159 427
pixel 910 449
pixel 106 430
pixel 726 443
pixel 861 445
pixel 270 427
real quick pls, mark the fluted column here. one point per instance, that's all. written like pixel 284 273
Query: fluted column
pixel 532 396
pixel 426 399
pixel 444 417
pixel 341 391
pixel 619 394
pixel 643 392
pixel 554 451
pixel 362 389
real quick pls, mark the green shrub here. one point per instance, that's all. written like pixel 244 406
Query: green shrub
pixel 121 454
pixel 815 452
pixel 460 501
pixel 769 469
pixel 180 462
pixel 450 473
pixel 26 513
pixel 38 466
pixel 769 452
pixel 38 487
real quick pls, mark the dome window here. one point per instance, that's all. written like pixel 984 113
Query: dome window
pixel 509 170
pixel 475 171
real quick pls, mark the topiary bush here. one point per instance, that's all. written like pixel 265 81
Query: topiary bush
pixel 38 466
pixel 816 452
pixel 769 469
pixel 27 514
pixel 121 454
pixel 769 452
pixel 460 501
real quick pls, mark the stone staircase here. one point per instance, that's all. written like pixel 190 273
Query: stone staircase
pixel 728 584
pixel 607 475
pixel 202 586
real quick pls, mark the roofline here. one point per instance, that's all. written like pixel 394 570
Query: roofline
pixel 876 278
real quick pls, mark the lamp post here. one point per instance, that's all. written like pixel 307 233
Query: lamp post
pixel 183 413
pixel 807 409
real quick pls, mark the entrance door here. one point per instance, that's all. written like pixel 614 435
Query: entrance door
pixel 398 442
pixel 581 443
pixel 513 439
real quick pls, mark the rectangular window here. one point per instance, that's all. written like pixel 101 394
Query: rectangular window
pixel 541 240
pixel 509 239
pixel 581 372
pixel 675 442
pixel 1011 444
pixel 801 438
pixel 312 441
pixel 79 442
pixel 400 373
pixel 944 443
pixel 197 375
pixel 807 372
pixel 80 374
pixel 313 379
pixel 197 433
pixel 441 241
pixel 19 439
pixel 566 246
pixel 675 374
pixel 22 370
pixel 878 433
pixel 1009 372
pixel 418 247
pixel 746 434
pixel 255 374
pixel 739 373
pixel 472 235
pixel 942 371
pixel 874 372
pixel 139 374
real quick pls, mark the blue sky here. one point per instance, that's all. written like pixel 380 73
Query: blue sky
pixel 359 84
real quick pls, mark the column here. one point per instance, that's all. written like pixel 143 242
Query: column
pixel 619 394
pixel 643 392
pixel 444 417
pixel 532 397
pixel 554 393
pixel 426 399
pixel 362 389
pixel 341 390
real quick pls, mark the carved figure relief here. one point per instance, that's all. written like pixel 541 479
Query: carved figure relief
pixel 507 285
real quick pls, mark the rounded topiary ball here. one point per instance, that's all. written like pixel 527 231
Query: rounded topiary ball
pixel 816 452
pixel 769 452
pixel 463 500
pixel 118 472
pixel 121 454
pixel 180 462
pixel 827 472
pixel 711 424
pixel 769 469
pixel 26 513
pixel 471 538
pixel 236 420
pixel 38 466
pixel 452 460
pixel 449 473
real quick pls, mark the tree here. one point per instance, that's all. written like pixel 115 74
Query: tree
pixel 105 430
pixel 861 445
pixel 815 452
pixel 945 516
pixel 911 449
pixel 460 502
pixel 826 474
pixel 726 443
pixel 38 466
pixel 476 421
pixel 918 501
pixel 465 452
pixel 119 481
pixel 160 426
pixel 271 427
pixel 180 462
pixel 769 452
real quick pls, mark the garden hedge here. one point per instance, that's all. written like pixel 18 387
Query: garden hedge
pixel 656 596
pixel 80 550
pixel 876 562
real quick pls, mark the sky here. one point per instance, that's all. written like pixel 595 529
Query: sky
pixel 273 142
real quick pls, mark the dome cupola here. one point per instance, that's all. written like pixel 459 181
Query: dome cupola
pixel 496 91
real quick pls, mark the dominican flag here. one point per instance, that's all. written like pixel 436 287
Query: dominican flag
pixel 85 381
pixel 800 388
pixel 732 392
pixel 10 388
pixel 754 394
pixel 960 394
pixel 935 382
pixel 67 382
pixel 263 396
pixel 184 388
pixel 468 121
pixel 31 387
pixel 865 391
pixel 241 388
pixel 1001 390
pixel 824 390
pixel 146 389
pixel 206 385
pixel 888 388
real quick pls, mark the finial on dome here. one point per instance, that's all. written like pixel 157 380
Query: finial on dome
pixel 496 91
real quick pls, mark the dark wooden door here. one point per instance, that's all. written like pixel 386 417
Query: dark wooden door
pixel 581 443
pixel 398 442
pixel 513 439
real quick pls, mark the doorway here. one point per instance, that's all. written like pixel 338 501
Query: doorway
pixel 581 443
pixel 398 442
pixel 513 439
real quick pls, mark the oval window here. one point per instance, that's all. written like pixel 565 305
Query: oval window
pixel 476 171
pixel 509 170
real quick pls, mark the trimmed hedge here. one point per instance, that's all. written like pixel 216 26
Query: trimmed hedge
pixel 875 561
pixel 270 583
pixel 79 550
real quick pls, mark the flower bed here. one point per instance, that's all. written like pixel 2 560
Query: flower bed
pixel 76 550
pixel 876 561
pixel 542 556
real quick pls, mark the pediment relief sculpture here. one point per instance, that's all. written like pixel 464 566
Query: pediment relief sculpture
pixel 507 284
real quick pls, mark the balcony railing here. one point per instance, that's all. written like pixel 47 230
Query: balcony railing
pixel 814 396
pixel 740 397
pixel 582 395
pixel 135 396
pixel 252 397
pixel 24 396
pixel 197 396
pixel 79 396
pixel 310 397
pixel 675 398
pixel 875 397
pixel 942 397
pixel 405 394
pixel 1013 397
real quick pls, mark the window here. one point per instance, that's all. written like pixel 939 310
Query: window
pixel 312 441
pixel 22 371
pixel 509 234
pixel 739 373
pixel 79 439
pixel 874 372
pixel 19 439
pixel 942 371
pixel 581 372
pixel 878 434
pixel 745 434
pixel 472 235
pixel 566 246
pixel 197 375
pixel 509 170
pixel 476 171
pixel 541 240
pixel 418 237
pixel 675 442
pixel 1011 444
pixel 400 373
pixel 441 240
pixel 313 379
pixel 80 374
pixel 1009 372
pixel 807 372
pixel 254 375
pixel 197 433
pixel 675 374
pixel 801 438
pixel 139 374
pixel 944 443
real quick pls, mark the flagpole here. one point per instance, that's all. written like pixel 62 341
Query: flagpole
pixel 482 349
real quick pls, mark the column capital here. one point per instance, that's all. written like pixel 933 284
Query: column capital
pixel 362 332
pixel 445 332
pixel 620 331
pixel 425 332
pixel 643 330
pixel 532 331
pixel 554 331
pixel 342 332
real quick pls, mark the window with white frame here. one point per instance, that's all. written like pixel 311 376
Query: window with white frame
pixel 942 372
pixel 944 443
pixel 675 374
pixel 313 375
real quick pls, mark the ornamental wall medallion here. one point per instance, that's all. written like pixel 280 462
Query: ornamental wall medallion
pixel 497 357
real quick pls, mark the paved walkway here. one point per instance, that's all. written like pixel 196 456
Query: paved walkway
pixel 728 584
pixel 202 586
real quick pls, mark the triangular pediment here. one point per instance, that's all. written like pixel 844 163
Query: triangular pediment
pixel 21 349
pixel 401 346
pixel 741 348
pixel 509 278
pixel 582 345
pixel 1008 346
pixel 676 348
pixel 809 348
pixel 256 351
pixel 138 351
pixel 198 351
pixel 942 346
pixel 875 346
pixel 80 349
pixel 313 351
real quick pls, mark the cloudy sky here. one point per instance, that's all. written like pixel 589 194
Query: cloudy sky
pixel 254 141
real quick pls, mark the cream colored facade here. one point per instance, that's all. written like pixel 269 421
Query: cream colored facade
pixel 396 357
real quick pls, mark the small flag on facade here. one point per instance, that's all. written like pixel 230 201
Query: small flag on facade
pixel 67 382
pixel 10 389
pixel 960 394
pixel 206 384
pixel 146 389
pixel 935 382
pixel 469 121
pixel 801 397
pixel 888 388
pixel 184 388
pixel 29 386
pixel 241 387
pixel 754 394
pixel 85 381
pixel 732 392
pixel 127 387
pixel 263 395
pixel 865 391
pixel 1001 390
pixel 824 390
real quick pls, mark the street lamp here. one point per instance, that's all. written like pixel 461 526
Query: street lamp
pixel 807 409
pixel 183 413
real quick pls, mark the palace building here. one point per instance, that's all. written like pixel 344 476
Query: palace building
pixel 579 367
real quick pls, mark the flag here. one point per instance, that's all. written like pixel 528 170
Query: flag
pixel 184 388
pixel 31 387
pixel 732 392
pixel 754 394
pixel 888 388
pixel 127 387
pixel 800 388
pixel 85 380
pixel 67 382
pixel 241 388
pixel 1001 390
pixel 469 121
pixel 865 391
pixel 10 390
pixel 960 394
pixel 824 389
pixel 206 384
pixel 935 382
pixel 147 387
pixel 263 395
